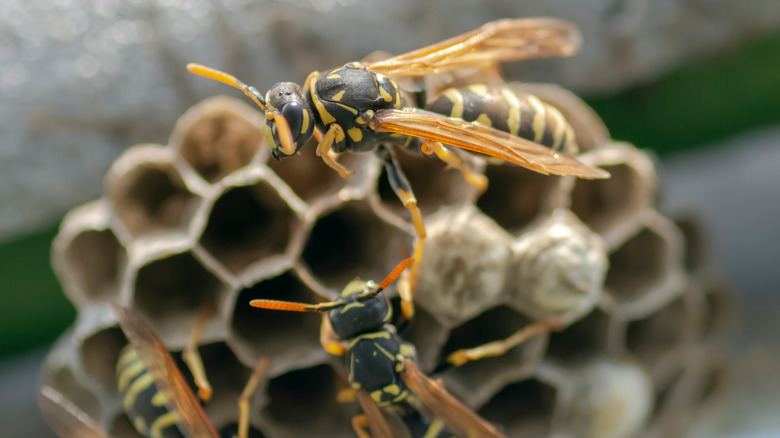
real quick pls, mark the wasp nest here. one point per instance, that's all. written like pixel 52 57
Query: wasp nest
pixel 211 220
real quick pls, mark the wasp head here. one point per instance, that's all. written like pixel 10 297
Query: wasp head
pixel 289 120
pixel 359 314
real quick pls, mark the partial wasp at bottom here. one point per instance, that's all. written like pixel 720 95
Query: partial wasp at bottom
pixel 381 367
pixel 360 107
pixel 156 396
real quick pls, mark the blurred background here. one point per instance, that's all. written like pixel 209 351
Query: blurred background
pixel 695 81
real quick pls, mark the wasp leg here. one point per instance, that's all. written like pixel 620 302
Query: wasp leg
pixel 335 133
pixel 192 357
pixel 403 190
pixel 475 179
pixel 246 394
pixel 329 339
pixel 360 425
pixel 497 348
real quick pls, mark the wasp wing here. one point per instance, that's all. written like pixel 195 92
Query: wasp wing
pixel 160 365
pixel 479 138
pixel 497 41
pixel 458 417
pixel 379 424
pixel 65 418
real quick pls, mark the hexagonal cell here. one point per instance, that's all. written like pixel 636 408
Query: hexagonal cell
pixel 303 403
pixel 589 129
pixel 613 399
pixel 657 340
pixel 218 136
pixel 94 260
pixel 558 269
pixel 246 224
pixel 464 266
pixel 147 193
pixel 289 338
pixel 696 250
pixel 64 381
pixel 426 333
pixel 612 207
pixel 524 409
pixel 172 291
pixel 476 381
pixel 100 353
pixel 646 271
pixel 718 315
pixel 352 242
pixel 432 183
pixel 309 176
pixel 584 339
pixel 516 196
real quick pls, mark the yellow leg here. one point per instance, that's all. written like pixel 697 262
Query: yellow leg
pixel 346 395
pixel 497 348
pixel 475 179
pixel 329 339
pixel 335 133
pixel 360 424
pixel 246 395
pixel 192 357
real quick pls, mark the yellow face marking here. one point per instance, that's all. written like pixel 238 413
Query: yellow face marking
pixel 337 97
pixel 333 76
pixel 354 287
pixel 327 118
pixel 355 305
pixel 128 373
pixel 160 423
pixel 513 119
pixel 385 95
pixel 539 115
pixel 457 102
pixel 305 122
pixel 478 89
pixel 483 119
pixel 138 386
pixel 269 136
pixel 356 134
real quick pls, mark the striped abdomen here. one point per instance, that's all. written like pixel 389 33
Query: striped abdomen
pixel 143 403
pixel 523 115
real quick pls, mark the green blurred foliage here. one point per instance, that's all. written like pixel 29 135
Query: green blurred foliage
pixel 701 103
pixel 34 311
pixel 694 106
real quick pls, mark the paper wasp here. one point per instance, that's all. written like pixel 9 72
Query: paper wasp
pixel 360 107
pixel 157 397
pixel 380 365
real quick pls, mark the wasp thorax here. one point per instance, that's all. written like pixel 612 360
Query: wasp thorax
pixel 359 316
pixel 287 110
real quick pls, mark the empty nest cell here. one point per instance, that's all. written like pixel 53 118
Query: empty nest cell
pixel 431 182
pixel 477 380
pixel 351 242
pixel 246 224
pixel 64 381
pixel 100 353
pixel 524 409
pixel 172 291
pixel 289 338
pixel 94 260
pixel 151 197
pixel 516 196
pixel 218 137
pixel 582 340
pixel 303 402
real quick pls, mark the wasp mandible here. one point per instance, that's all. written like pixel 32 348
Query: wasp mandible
pixel 359 107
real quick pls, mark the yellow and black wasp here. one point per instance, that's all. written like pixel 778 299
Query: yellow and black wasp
pixel 381 366
pixel 360 107
pixel 157 397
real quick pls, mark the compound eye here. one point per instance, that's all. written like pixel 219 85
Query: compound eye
pixel 293 113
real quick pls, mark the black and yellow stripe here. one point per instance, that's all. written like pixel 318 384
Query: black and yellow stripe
pixel 523 115
pixel 143 403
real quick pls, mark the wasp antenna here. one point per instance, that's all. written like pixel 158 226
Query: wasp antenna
pixel 295 307
pixel 231 80
pixel 387 281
